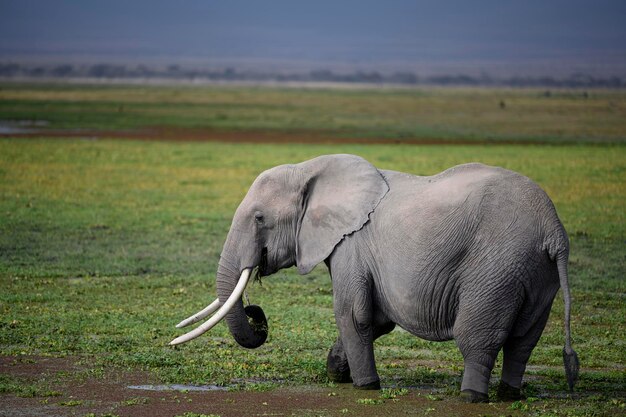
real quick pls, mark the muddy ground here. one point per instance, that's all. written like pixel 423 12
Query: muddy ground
pixel 175 134
pixel 66 387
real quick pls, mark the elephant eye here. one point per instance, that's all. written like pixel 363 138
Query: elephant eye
pixel 258 216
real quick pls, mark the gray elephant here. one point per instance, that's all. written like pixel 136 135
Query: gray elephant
pixel 475 254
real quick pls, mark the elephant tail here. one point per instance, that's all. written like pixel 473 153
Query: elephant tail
pixel 570 358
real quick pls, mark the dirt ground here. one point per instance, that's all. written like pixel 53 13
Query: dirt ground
pixel 79 393
pixel 173 134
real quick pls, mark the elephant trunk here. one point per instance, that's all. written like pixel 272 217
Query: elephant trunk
pixel 247 325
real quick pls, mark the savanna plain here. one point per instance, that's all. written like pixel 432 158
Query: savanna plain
pixel 115 202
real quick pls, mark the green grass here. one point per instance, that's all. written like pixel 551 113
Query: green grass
pixel 106 245
pixel 25 388
pixel 394 114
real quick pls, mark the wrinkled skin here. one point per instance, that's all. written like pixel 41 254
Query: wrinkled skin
pixel 472 254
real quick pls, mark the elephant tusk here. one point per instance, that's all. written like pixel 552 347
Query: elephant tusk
pixel 221 313
pixel 200 314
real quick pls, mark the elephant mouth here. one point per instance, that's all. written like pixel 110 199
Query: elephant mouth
pixel 262 269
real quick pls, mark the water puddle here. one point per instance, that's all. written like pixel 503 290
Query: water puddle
pixel 9 127
pixel 178 387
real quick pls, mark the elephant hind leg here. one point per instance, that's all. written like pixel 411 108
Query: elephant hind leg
pixel 517 350
pixel 478 364
pixel 480 331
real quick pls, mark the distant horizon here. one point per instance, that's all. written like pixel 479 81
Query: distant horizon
pixel 558 69
pixel 499 38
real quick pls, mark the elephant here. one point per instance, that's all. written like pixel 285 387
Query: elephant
pixel 475 254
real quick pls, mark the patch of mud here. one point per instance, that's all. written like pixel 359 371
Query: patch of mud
pixel 114 392
pixel 178 387
pixel 33 367
pixel 81 391
pixel 173 134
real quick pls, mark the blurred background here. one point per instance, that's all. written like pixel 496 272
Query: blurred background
pixel 442 42
pixel 131 130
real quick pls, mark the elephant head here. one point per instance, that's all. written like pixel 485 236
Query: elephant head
pixel 292 215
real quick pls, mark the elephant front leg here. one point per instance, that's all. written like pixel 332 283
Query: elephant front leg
pixel 354 318
pixel 359 350
pixel 337 367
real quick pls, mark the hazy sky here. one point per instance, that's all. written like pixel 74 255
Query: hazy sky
pixel 488 33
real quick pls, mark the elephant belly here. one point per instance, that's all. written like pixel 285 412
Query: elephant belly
pixel 419 284
pixel 427 299
pixel 425 306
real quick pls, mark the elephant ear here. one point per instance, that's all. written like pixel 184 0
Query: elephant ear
pixel 340 194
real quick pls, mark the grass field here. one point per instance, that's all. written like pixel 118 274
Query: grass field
pixel 106 244
pixel 400 114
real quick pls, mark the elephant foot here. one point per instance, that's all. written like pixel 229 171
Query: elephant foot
pixel 374 385
pixel 339 377
pixel 508 393
pixel 337 367
pixel 471 396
